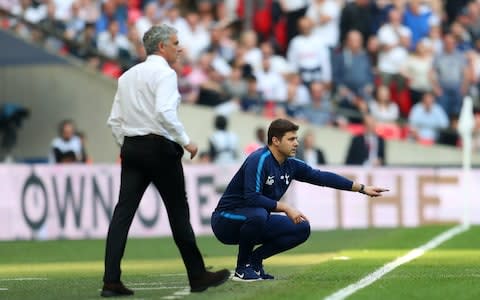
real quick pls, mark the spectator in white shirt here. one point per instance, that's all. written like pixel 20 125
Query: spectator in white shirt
pixel 271 84
pixel 111 42
pixel 278 63
pixel 89 10
pixel 418 70
pixel 197 36
pixel 309 55
pixel 394 39
pixel 75 25
pixel 326 17
pixel 29 12
pixel 223 144
pixel 249 40
pixel 174 19
pixel 145 123
pixel 382 109
pixel 302 93
pixel 63 9
pixel 67 147
pixel 147 20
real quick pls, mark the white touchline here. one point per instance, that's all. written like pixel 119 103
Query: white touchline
pixel 417 252
pixel 184 292
pixel 179 294
pixel 3 289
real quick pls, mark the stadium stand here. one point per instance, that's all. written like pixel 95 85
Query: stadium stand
pixel 222 23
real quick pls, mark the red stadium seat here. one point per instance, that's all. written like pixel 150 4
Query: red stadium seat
pixel 135 4
pixel 389 131
pixel 133 15
pixel 426 142
pixel 269 109
pixel 280 33
pixel 404 132
pixel 355 129
pixel 111 69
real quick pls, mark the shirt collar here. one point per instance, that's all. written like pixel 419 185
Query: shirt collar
pixel 157 58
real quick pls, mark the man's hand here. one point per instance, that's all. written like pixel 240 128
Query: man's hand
pixel 293 214
pixel 192 148
pixel 373 191
pixel 296 216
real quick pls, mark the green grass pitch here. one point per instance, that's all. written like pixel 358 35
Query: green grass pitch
pixel 327 262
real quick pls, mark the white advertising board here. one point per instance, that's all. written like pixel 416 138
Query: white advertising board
pixel 77 201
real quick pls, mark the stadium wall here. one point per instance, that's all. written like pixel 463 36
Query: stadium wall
pixel 76 202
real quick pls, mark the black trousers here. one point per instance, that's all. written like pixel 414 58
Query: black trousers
pixel 151 159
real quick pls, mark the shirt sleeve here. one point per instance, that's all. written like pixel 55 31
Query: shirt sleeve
pixel 254 177
pixel 115 120
pixel 305 173
pixel 167 99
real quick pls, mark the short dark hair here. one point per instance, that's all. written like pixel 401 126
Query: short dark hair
pixel 279 127
pixel 221 122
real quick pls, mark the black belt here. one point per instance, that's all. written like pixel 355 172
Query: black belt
pixel 150 136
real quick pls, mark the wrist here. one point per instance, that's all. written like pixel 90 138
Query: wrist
pixel 282 207
pixel 362 189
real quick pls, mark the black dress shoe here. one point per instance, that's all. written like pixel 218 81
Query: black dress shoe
pixel 209 279
pixel 115 290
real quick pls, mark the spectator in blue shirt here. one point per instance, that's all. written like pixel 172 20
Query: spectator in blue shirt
pixel 352 70
pixel 243 215
pixel 451 76
pixel 426 119
pixel 416 17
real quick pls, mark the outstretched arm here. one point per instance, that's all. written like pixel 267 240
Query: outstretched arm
pixel 306 173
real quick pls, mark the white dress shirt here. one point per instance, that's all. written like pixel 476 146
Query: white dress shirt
pixel 146 102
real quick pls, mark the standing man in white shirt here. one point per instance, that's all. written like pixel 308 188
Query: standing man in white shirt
pixel 144 122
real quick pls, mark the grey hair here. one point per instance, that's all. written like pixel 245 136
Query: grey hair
pixel 155 35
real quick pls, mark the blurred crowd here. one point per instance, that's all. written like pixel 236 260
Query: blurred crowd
pixel 406 63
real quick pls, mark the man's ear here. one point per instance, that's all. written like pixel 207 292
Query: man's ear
pixel 275 140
